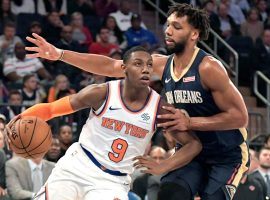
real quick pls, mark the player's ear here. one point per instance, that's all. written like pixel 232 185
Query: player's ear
pixel 195 34
pixel 124 68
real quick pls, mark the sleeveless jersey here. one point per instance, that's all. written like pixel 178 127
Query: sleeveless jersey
pixel 188 93
pixel 115 134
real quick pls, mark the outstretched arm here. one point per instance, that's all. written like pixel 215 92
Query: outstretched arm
pixel 93 63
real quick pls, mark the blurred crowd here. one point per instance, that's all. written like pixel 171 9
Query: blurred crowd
pixel 109 27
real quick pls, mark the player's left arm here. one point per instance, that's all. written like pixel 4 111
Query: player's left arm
pixel 233 113
pixel 91 96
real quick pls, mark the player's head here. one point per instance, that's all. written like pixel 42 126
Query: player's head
pixel 185 25
pixel 138 66
pixel 264 157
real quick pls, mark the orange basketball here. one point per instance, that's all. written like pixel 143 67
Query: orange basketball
pixel 31 137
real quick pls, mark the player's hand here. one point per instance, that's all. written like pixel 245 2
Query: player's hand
pixel 149 165
pixel 178 120
pixel 43 48
pixel 8 132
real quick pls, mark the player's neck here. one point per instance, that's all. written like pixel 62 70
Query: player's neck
pixel 132 93
pixel 182 60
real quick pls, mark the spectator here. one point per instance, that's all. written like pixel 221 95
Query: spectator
pixel 235 12
pixel 158 154
pixel 35 27
pixel 3 92
pixel 254 162
pixel 65 137
pixel 5 12
pixel 123 16
pixel 61 83
pixel 16 68
pixel 138 36
pixel 253 27
pixel 68 43
pixel 48 6
pixel 80 33
pixel 25 177
pixel 15 105
pixel 262 7
pixel 227 24
pixel 243 4
pixel 53 154
pixel 116 36
pixel 23 6
pixel 262 53
pixel 8 41
pixel 30 93
pixel 103 47
pixel 105 7
pixel 3 191
pixel 82 6
pixel 83 79
pixel 53 27
pixel 262 174
pixel 209 6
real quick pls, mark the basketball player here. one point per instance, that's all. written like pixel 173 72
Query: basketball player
pixel 120 125
pixel 196 82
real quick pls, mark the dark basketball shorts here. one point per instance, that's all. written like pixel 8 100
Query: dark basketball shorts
pixel 207 174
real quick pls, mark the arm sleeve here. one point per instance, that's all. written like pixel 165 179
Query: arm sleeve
pixel 47 111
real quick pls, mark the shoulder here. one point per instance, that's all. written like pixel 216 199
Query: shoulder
pixel 15 161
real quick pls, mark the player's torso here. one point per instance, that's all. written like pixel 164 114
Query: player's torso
pixel 188 93
pixel 116 135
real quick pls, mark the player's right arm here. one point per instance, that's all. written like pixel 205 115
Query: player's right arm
pixel 191 147
pixel 91 96
pixel 93 63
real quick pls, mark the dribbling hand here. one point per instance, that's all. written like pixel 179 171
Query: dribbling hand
pixel 7 130
pixel 43 48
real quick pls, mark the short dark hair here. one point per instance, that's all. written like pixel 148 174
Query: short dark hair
pixel 27 77
pixel 9 24
pixel 127 54
pixel 14 92
pixel 197 18
pixel 264 148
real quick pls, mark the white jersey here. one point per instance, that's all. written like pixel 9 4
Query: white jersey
pixel 115 134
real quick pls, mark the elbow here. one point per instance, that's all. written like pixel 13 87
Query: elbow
pixel 196 147
pixel 242 120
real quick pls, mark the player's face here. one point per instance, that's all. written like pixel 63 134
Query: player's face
pixel 264 159
pixel 139 68
pixel 178 33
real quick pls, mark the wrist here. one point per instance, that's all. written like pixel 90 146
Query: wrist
pixel 61 54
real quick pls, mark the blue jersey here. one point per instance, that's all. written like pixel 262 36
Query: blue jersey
pixel 188 93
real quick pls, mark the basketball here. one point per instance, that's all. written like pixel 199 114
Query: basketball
pixel 30 137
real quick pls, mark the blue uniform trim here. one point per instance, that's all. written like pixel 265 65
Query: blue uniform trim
pixel 94 160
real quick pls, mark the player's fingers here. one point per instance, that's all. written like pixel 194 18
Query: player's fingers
pixel 166 116
pixel 39 37
pixel 34 55
pixel 167 124
pixel 174 128
pixel 171 109
pixel 32 40
pixel 36 49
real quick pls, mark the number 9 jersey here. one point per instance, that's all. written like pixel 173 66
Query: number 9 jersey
pixel 115 134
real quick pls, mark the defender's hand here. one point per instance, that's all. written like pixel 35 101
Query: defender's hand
pixel 43 48
pixel 178 120
pixel 152 167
